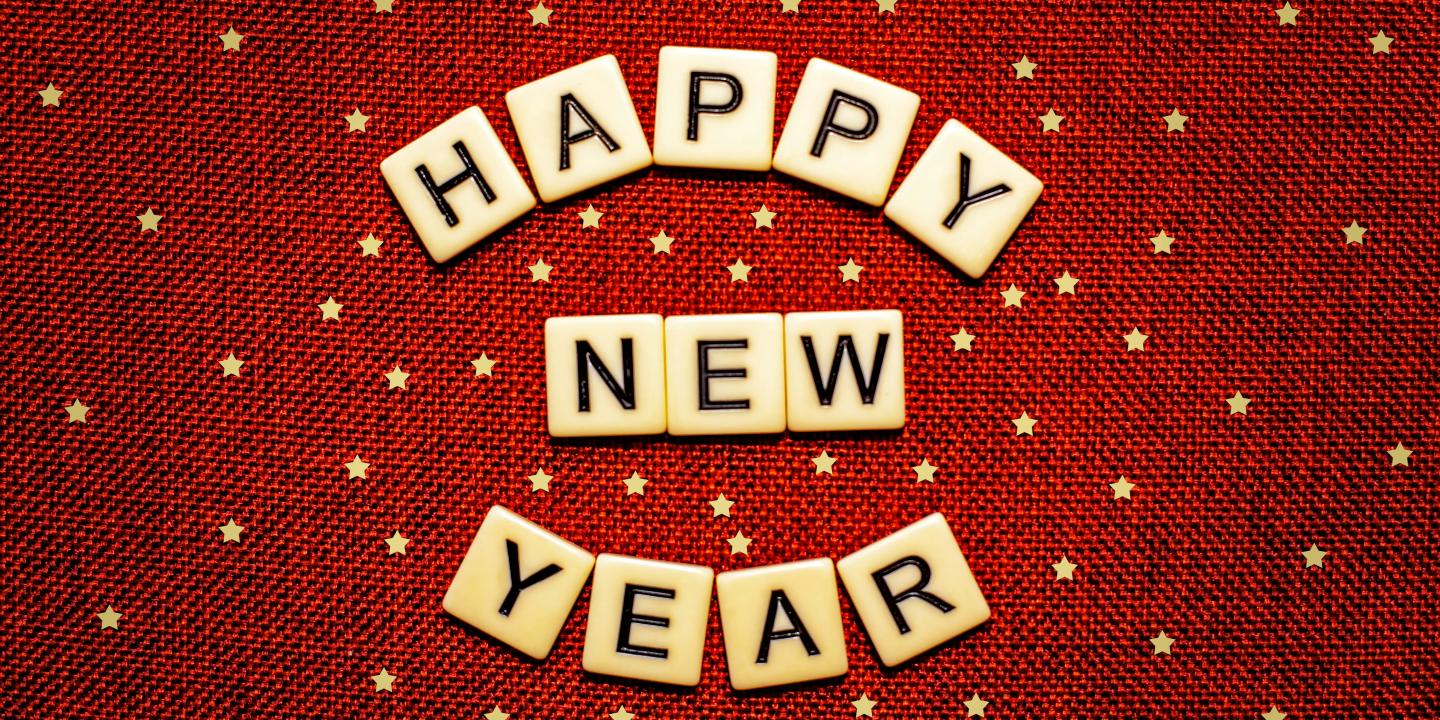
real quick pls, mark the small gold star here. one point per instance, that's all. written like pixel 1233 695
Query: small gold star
pixel 1066 284
pixel 109 620
pixel 231 365
pixel 1239 404
pixel 397 378
pixel 1024 68
pixel 924 472
pixel 1380 43
pixel 739 272
pixel 850 272
pixel 149 221
pixel 622 714
pixel 1064 570
pixel 540 271
pixel 384 681
pixel 357 468
pixel 1175 122
pixel 50 96
pixel 975 707
pixel 329 310
pixel 1135 340
pixel 397 543
pixel 1162 643
pixel 539 15
pixel 231 40
pixel 384 5
pixel 1314 557
pixel 886 6
pixel 1287 14
pixel 635 485
pixel 356 121
pixel 1399 455
pixel 720 506
pixel 739 545
pixel 1354 234
pixel 1050 121
pixel 662 243
pixel 789 6
pixel 1012 296
pixel 1024 425
pixel 590 217
pixel 824 463
pixel 370 245
pixel 1122 488
pixel 496 714
pixel 1275 713
pixel 483 365
pixel 864 707
pixel 76 412
pixel 1162 243
pixel 763 217
pixel 230 532
pixel 962 340
pixel 540 480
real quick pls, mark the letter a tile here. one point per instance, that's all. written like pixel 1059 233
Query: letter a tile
pixel 844 371
pixel 782 624
pixel 605 375
pixel 648 619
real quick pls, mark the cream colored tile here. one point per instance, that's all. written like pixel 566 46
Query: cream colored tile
pixel 457 184
pixel 964 198
pixel 605 375
pixel 518 582
pixel 844 370
pixel 725 373
pixel 715 108
pixel 647 619
pixel 913 590
pixel 782 624
pixel 578 128
pixel 846 131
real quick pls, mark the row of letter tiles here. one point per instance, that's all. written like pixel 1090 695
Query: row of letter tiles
pixel 611 375
pixel 714 108
pixel 912 590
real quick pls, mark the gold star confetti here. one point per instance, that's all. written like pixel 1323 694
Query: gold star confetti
pixel 789 6
pixel 1399 455
pixel 824 463
pixel 230 532
pixel 540 480
pixel 886 6
pixel 1024 425
pixel 635 485
pixel 739 545
pixel 1135 340
pixel 1380 43
pixel 1050 121
pixel 1162 643
pixel 50 96
pixel 76 412
pixel 720 506
pixel 329 310
pixel 231 40
pixel 1065 284
pixel 590 217
pixel 149 221
pixel 357 468
pixel 864 707
pixel 540 271
pixel 483 365
pixel 396 543
pixel 924 472
pixel 1314 557
pixel 539 15
pixel 975 707
pixel 1122 488
pixel 1024 68
pixel 850 272
pixel 622 714
pixel 1275 713
pixel 370 245
pixel 109 620
pixel 739 272
pixel 356 121
pixel 396 379
pixel 1287 14
pixel 496 714
pixel 1175 122
pixel 763 218
pixel 962 340
pixel 1162 243
pixel 1064 570
pixel 1354 234
pixel 1012 296
pixel 231 365
pixel 384 681
pixel 384 6
pixel 662 243
pixel 1239 404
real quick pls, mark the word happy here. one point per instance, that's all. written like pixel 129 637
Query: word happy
pixel 714 108
pixel 912 591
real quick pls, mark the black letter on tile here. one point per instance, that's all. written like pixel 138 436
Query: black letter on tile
pixel 846 346
pixel 893 600
pixel 966 199
pixel 696 78
pixel 628 618
pixel 592 129
pixel 828 126
pixel 437 192
pixel 702 349
pixel 780 602
pixel 585 358
pixel 518 583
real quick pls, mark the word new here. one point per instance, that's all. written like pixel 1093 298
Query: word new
pixel 714 108
pixel 912 591
pixel 724 374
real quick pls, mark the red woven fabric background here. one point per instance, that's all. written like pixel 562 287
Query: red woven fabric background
pixel 1294 133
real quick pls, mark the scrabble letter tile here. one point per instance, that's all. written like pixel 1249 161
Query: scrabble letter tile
pixel 457 184
pixel 913 590
pixel 844 371
pixel 964 198
pixel 518 582
pixel 647 619
pixel 605 375
pixel 782 624
pixel 846 131
pixel 578 128
pixel 725 374
pixel 715 108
